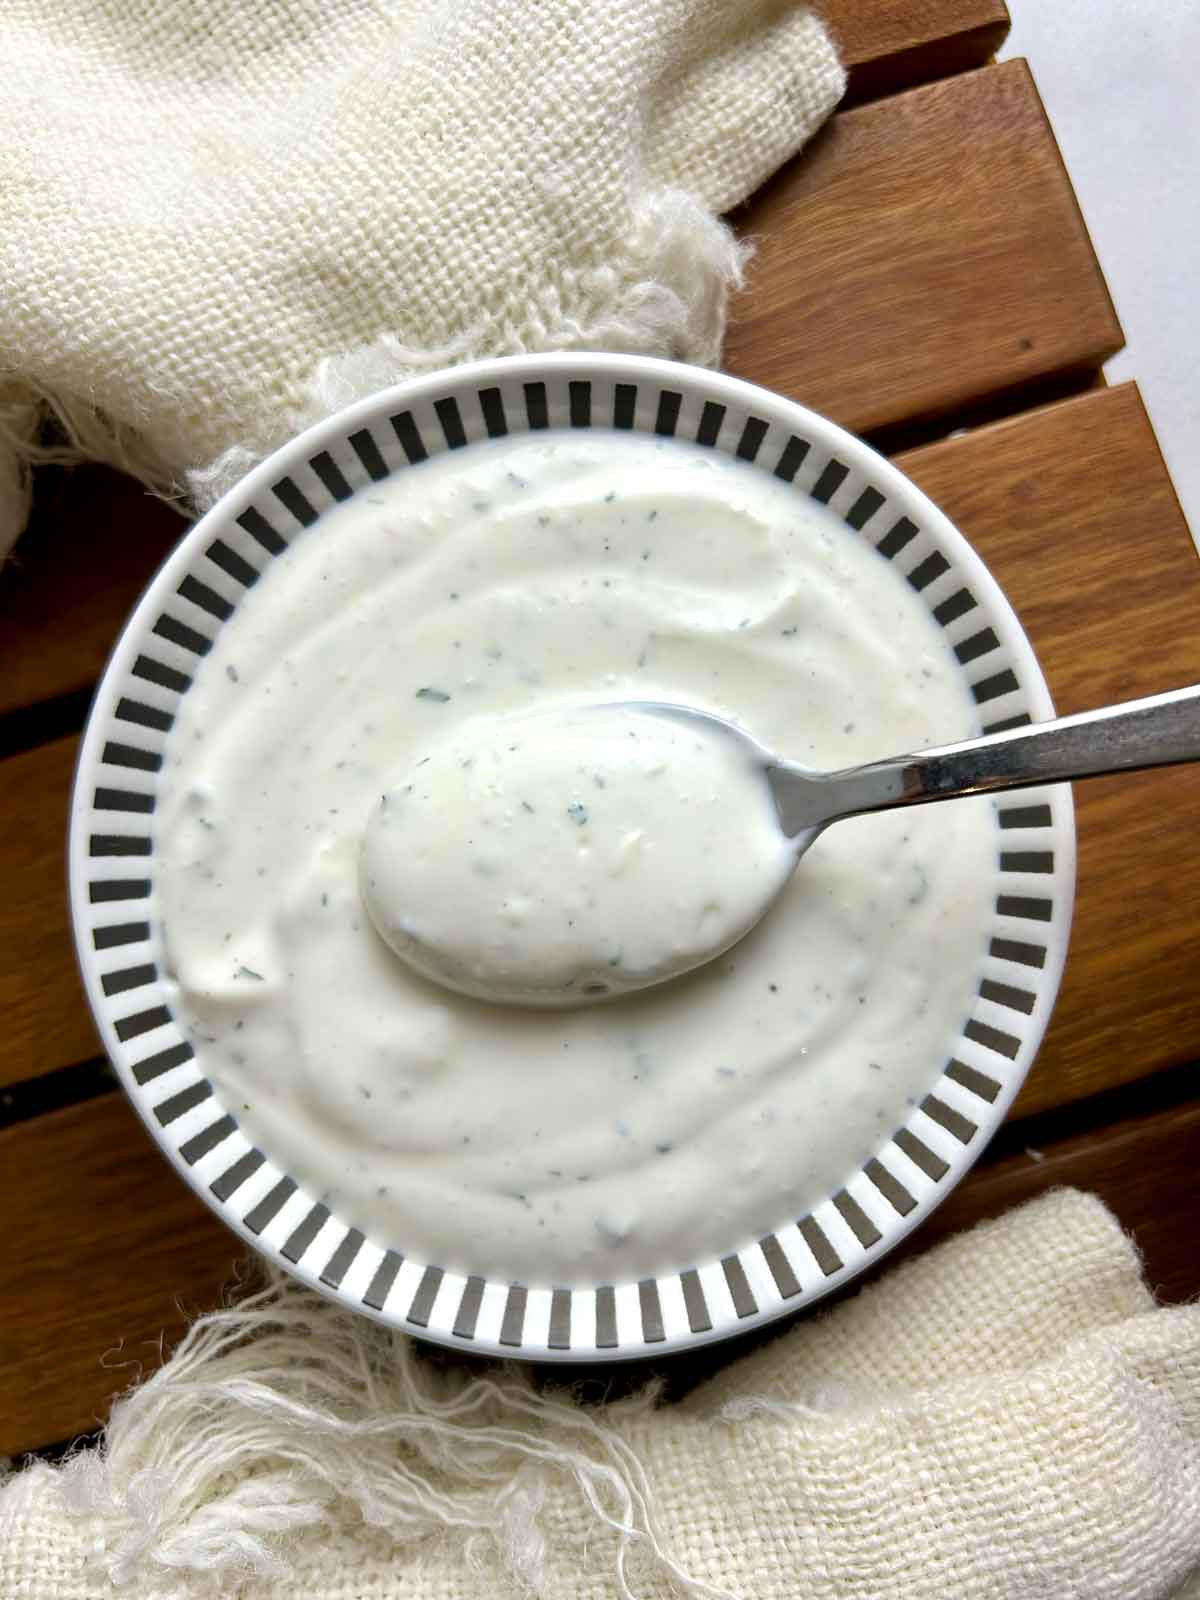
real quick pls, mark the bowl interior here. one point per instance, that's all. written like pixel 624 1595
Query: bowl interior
pixel 112 850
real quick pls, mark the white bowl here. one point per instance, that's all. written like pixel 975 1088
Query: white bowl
pixel 112 863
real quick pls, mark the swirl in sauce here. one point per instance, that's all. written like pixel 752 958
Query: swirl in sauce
pixel 658 1129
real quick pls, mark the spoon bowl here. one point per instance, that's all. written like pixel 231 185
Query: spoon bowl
pixel 572 855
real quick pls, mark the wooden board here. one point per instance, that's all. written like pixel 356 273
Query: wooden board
pixel 1145 1169
pixel 46 1020
pixel 927 252
pixel 107 1248
pixel 101 1268
pixel 93 545
pixel 1073 510
pixel 892 44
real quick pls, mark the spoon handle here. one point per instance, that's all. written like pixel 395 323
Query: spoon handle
pixel 1162 730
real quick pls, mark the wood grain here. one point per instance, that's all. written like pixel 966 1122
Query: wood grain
pixel 101 1268
pixel 926 252
pixel 104 1246
pixel 1073 510
pixel 46 1020
pixel 892 44
pixel 1144 1168
pixel 92 547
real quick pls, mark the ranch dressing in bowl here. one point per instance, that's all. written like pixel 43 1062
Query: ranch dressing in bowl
pixel 656 1129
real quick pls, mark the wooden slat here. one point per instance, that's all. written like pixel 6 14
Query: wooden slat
pixel 94 1269
pixel 101 1240
pixel 94 542
pixel 1144 1168
pixel 925 253
pixel 46 1021
pixel 892 44
pixel 1073 510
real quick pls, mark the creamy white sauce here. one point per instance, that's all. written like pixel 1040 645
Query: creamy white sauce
pixel 654 1130
pixel 562 857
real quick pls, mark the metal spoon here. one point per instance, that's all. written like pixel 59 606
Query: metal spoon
pixel 666 907
pixel 1159 731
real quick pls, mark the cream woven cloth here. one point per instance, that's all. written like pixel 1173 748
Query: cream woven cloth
pixel 1008 1417
pixel 220 219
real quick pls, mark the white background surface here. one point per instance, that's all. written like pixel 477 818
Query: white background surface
pixel 1119 80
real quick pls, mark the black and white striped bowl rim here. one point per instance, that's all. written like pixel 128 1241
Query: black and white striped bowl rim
pixel 113 865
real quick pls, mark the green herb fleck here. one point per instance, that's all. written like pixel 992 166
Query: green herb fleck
pixel 438 696
pixel 577 811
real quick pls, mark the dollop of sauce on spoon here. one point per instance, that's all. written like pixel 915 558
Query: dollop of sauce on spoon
pixel 561 858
